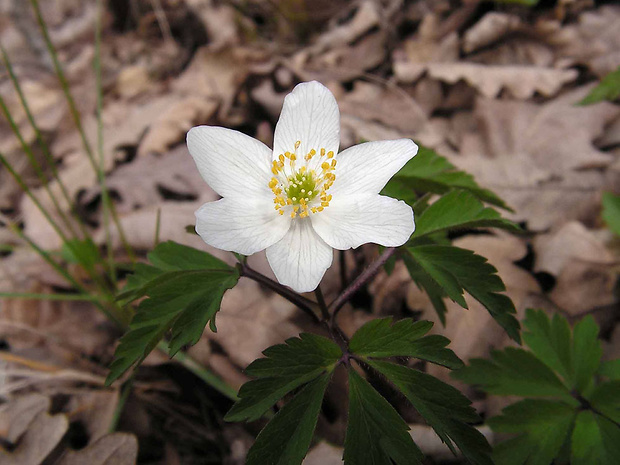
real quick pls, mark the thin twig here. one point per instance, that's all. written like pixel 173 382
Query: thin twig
pixel 364 277
pixel 304 304
pixel 322 305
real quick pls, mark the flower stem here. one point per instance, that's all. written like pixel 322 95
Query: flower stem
pixel 306 305
pixel 322 305
pixel 362 279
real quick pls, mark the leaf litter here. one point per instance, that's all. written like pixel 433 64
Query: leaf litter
pixel 492 89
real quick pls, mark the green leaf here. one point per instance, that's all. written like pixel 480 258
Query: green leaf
pixel 401 190
pixel 550 341
pixel 430 172
pixel 610 368
pixel 586 353
pixel 449 271
pixel 459 209
pixel 405 338
pixel 184 303
pixel 608 89
pixel 286 438
pixel 444 408
pixel 184 287
pixel 611 211
pixel 83 252
pixel 595 441
pixel 605 399
pixel 376 434
pixel 170 256
pixel 514 372
pixel 545 423
pixel 284 368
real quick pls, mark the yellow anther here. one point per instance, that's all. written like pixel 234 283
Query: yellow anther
pixel 324 204
pixel 273 183
pixel 281 158
pixel 293 214
pixel 320 209
pixel 329 198
pixel 330 154
pixel 293 157
pixel 287 154
pixel 274 170
pixel 325 166
pixel 333 164
pixel 322 152
pixel 281 212
pixel 313 209
pixel 297 144
pixel 289 202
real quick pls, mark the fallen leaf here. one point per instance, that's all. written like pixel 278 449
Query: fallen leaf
pixel 42 436
pixel 18 413
pixel 112 449
pixel 492 27
pixel 521 81
pixel 583 267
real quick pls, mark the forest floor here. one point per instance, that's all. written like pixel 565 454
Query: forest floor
pixel 492 87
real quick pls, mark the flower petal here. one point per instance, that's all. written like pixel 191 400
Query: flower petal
pixel 243 227
pixel 351 221
pixel 366 168
pixel 310 114
pixel 301 258
pixel 232 163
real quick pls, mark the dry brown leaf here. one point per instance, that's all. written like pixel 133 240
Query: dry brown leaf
pixel 112 449
pixel 534 155
pixel 521 81
pixel 582 265
pixel 489 29
pixel 390 106
pixel 593 41
pixel 324 454
pixel 17 414
pixel 42 436
pixel 94 410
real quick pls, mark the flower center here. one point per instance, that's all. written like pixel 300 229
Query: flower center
pixel 300 185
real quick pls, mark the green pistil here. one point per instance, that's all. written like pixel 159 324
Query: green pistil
pixel 301 186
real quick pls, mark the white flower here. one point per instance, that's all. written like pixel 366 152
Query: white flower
pixel 303 198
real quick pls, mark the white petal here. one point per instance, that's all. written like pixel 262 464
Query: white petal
pixel 366 168
pixel 232 163
pixel 243 227
pixel 351 221
pixel 310 114
pixel 301 258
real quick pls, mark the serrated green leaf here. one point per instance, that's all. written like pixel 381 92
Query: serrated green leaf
pixel 550 341
pixel 400 190
pixel 284 368
pixel 170 256
pixel 611 211
pixel 426 282
pixel 608 89
pixel 514 372
pixel 590 446
pixel 459 209
pixel 184 287
pixel 514 451
pixel 605 399
pixel 376 434
pixel 430 172
pixel 286 438
pixel 586 352
pixel 405 338
pixel 452 271
pixel 189 298
pixel 546 424
pixel 443 407
pixel 610 368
